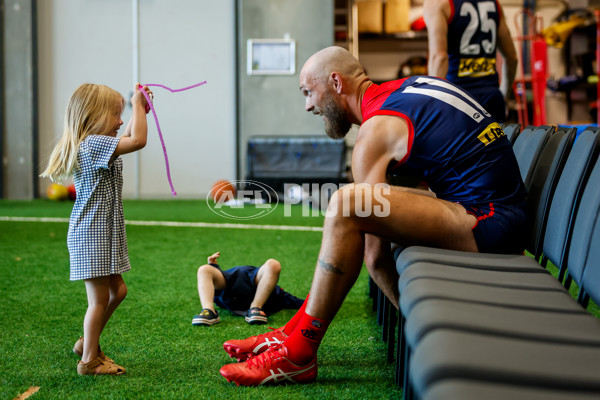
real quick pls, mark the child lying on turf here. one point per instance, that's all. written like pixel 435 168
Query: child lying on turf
pixel 245 290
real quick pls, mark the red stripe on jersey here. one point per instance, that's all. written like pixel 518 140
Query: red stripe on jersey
pixel 451 17
pixel 374 98
pixel 376 95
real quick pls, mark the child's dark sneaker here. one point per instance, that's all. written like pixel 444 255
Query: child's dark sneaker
pixel 255 316
pixel 206 318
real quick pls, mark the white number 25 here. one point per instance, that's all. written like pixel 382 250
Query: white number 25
pixel 478 21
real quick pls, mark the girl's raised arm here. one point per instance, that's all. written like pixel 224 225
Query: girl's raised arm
pixel 136 131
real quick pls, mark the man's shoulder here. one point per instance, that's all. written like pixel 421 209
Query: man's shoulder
pixel 436 3
pixel 437 7
pixel 382 134
pixel 380 126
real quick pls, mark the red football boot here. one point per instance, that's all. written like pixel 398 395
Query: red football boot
pixel 254 345
pixel 268 368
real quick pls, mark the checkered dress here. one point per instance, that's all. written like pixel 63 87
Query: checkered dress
pixel 96 240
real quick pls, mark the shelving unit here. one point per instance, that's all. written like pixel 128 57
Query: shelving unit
pixel 345 24
pixel 381 54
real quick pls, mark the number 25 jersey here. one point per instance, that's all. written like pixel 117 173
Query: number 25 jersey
pixel 472 43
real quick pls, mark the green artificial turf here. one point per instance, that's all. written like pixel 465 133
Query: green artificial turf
pixel 151 334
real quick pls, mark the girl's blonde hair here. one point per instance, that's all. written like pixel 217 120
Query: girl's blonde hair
pixel 88 113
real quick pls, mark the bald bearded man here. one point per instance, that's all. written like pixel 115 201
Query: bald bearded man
pixel 421 125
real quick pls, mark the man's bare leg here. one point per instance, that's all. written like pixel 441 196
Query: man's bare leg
pixel 413 219
pixel 379 260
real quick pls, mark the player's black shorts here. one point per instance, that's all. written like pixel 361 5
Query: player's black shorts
pixel 500 228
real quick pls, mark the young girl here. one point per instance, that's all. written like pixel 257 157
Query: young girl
pixel 90 150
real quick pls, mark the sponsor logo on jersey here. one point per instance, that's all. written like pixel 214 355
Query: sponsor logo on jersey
pixel 492 132
pixel 476 67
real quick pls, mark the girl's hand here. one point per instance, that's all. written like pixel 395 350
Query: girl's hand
pixel 213 259
pixel 136 132
pixel 139 99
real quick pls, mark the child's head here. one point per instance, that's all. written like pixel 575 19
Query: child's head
pixel 92 110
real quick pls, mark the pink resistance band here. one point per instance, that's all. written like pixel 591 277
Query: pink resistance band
pixel 149 103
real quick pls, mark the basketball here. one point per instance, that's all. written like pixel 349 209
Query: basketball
pixel 222 191
pixel 57 192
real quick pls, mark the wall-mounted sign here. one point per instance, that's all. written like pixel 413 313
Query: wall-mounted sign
pixel 271 57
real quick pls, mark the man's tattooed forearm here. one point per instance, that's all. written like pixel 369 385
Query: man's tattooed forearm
pixel 330 267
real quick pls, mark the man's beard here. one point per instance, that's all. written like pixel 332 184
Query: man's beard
pixel 336 122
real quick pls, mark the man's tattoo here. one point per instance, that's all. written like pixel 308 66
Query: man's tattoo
pixel 330 267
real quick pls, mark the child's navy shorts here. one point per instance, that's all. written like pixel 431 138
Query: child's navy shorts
pixel 500 228
pixel 240 287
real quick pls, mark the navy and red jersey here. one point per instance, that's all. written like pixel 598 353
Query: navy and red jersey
pixel 454 144
pixel 472 43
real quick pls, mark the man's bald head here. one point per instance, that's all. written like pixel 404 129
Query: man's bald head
pixel 330 82
pixel 332 59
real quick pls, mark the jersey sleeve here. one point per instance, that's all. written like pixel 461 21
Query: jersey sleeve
pixel 100 149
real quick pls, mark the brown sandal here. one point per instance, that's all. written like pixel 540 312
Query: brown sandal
pixel 78 349
pixel 97 367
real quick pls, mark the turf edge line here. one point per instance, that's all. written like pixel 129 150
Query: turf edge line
pixel 179 224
